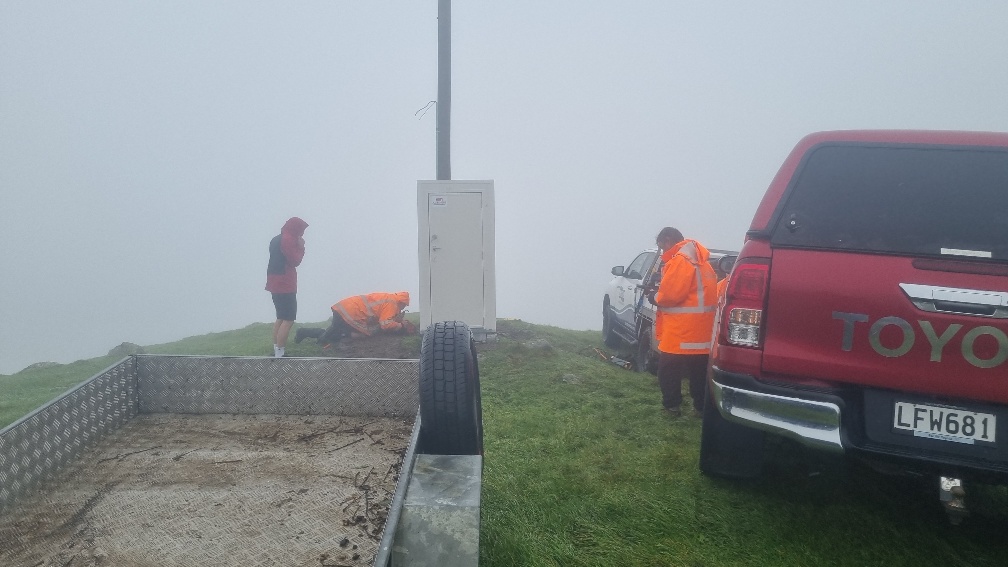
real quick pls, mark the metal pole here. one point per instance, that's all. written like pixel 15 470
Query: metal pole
pixel 444 91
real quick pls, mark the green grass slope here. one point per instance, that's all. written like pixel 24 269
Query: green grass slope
pixel 582 468
pixel 34 386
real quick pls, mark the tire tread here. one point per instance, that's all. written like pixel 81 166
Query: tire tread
pixel 450 412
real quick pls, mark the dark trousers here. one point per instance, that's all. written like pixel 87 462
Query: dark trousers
pixel 337 330
pixel 672 368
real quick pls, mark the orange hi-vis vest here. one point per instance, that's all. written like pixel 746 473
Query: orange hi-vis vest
pixel 722 286
pixel 370 313
pixel 686 300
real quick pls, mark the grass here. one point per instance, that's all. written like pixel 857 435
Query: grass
pixel 32 387
pixel 582 468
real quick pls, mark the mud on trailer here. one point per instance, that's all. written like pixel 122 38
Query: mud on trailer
pixel 200 460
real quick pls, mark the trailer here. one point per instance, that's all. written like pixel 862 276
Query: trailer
pixel 209 460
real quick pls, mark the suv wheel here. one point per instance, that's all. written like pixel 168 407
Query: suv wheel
pixel 608 334
pixel 646 359
pixel 728 449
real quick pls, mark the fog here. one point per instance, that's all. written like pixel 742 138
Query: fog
pixel 150 150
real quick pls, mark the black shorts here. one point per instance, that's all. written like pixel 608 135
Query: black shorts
pixel 286 306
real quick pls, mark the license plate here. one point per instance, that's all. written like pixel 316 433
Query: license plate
pixel 944 423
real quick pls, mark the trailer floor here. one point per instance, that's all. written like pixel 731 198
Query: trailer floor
pixel 220 490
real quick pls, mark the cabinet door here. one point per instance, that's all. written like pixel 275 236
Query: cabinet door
pixel 456 256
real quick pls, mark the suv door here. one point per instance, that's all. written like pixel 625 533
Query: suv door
pixel 628 291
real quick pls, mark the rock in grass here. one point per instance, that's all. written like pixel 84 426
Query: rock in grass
pixel 38 365
pixel 126 349
pixel 541 345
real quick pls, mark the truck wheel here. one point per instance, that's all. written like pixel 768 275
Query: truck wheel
pixel 608 334
pixel 451 412
pixel 727 449
pixel 646 359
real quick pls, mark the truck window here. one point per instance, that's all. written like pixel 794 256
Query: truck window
pixel 640 263
pixel 922 201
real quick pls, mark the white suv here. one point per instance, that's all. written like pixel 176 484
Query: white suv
pixel 628 317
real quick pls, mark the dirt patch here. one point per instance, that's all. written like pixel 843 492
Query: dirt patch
pixel 515 330
pixel 380 345
pixel 394 345
pixel 180 490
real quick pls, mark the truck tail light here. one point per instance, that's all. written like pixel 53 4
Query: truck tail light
pixel 744 326
pixel 745 301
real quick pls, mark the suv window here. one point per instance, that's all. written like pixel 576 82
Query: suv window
pixel 640 263
pixel 913 200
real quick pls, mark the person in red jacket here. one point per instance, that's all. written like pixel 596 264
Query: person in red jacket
pixel 686 299
pixel 286 252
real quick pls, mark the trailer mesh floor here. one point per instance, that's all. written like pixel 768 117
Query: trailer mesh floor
pixel 196 490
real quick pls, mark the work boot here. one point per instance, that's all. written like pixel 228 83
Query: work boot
pixel 308 333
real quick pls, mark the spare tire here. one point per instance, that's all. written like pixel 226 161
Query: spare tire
pixel 451 413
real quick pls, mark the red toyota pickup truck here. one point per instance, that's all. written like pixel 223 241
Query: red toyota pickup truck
pixel 867 312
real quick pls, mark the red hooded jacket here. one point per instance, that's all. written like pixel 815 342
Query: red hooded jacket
pixel 291 246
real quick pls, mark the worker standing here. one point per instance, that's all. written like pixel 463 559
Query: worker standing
pixel 722 287
pixel 286 250
pixel 685 299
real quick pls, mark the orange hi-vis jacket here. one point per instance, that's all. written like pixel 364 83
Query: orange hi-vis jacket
pixel 722 286
pixel 370 313
pixel 686 300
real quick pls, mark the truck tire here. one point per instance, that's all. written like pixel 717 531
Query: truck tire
pixel 609 336
pixel 451 412
pixel 727 449
pixel 647 361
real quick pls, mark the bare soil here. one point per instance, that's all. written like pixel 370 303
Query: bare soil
pixel 195 490
pixel 396 345
pixel 387 345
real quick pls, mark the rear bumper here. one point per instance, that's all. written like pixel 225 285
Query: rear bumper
pixel 856 422
pixel 811 422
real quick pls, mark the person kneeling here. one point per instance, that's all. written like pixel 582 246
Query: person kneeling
pixel 365 314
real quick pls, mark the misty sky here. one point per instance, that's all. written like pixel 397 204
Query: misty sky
pixel 150 150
